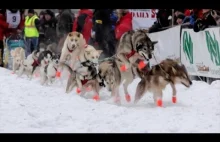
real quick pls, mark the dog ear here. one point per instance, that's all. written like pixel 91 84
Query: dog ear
pixel 70 34
pixel 100 51
pixel 154 42
pixel 78 35
pixel 174 70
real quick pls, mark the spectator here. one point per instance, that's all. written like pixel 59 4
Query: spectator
pixel 49 27
pixel 64 22
pixel 180 19
pixel 162 20
pixel 41 30
pixel 204 21
pixel 216 16
pixel 11 21
pixel 83 23
pixel 188 12
pixel 32 24
pixel 178 11
pixel 124 23
pixel 103 31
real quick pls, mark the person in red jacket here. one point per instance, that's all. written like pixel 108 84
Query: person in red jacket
pixel 11 21
pixel 83 23
pixel 124 23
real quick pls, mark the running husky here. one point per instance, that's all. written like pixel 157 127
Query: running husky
pixel 133 42
pixel 50 70
pixel 83 77
pixel 156 79
pixel 109 71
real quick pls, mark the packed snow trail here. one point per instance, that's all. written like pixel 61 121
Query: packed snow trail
pixel 28 107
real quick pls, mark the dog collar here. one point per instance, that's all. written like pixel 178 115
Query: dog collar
pixel 130 54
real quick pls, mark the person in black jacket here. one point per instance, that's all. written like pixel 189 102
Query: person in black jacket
pixel 162 20
pixel 104 33
pixel 64 22
pixel 48 25
pixel 204 22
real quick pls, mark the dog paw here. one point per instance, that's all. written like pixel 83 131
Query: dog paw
pixel 142 64
pixel 123 68
pixel 128 97
pixel 174 99
pixel 96 97
pixel 159 103
pixel 78 91
pixel 117 100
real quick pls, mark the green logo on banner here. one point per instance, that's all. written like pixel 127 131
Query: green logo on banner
pixel 188 46
pixel 213 48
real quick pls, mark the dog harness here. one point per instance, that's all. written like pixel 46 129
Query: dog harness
pixel 85 65
pixel 35 63
pixel 55 68
pixel 84 81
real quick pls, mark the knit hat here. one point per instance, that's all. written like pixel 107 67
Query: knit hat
pixel 179 10
pixel 31 11
pixel 181 16
pixel 49 12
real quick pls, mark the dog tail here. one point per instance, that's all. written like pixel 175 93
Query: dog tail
pixel 67 67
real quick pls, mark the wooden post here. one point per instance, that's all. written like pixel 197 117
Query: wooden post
pixel 173 17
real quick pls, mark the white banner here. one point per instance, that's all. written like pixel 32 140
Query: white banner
pixel 168 45
pixel 143 18
pixel 200 52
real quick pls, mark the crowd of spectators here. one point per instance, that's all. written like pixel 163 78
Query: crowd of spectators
pixel 197 19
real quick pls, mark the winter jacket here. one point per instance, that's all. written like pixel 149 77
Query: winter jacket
pixel 65 22
pixel 123 25
pixel 102 28
pixel 83 23
pixel 4 30
pixel 49 28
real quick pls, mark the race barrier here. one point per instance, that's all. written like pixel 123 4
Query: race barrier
pixel 199 52
pixel 168 45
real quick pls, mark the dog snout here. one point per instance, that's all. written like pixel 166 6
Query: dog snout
pixel 73 46
pixel 190 82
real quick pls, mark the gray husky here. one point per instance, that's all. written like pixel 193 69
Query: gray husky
pixel 134 45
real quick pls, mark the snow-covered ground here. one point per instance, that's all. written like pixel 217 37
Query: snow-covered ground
pixel 28 107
